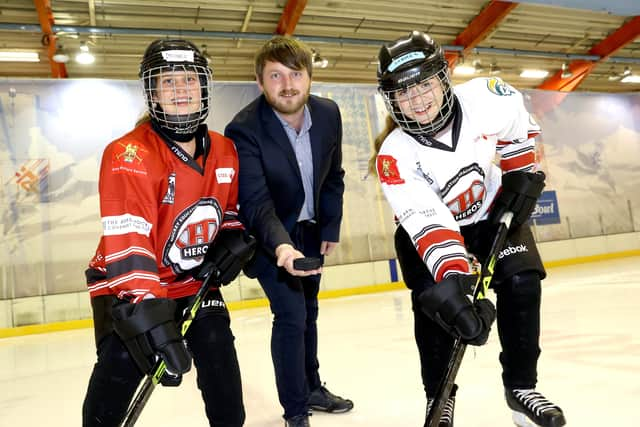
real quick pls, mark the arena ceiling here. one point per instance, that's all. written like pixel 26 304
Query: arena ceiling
pixel 597 44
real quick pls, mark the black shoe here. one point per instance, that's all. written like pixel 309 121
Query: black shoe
pixel 446 417
pixel 531 408
pixel 323 400
pixel 297 421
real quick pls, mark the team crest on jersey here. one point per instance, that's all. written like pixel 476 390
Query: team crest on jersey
pixel 468 202
pixel 191 234
pixel 468 189
pixel 127 158
pixel 499 87
pixel 388 170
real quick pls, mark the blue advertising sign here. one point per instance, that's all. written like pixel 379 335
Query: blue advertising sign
pixel 546 211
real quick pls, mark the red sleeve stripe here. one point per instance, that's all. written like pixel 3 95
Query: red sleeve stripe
pixel 455 264
pixel 442 250
pixel 432 236
pixel 522 161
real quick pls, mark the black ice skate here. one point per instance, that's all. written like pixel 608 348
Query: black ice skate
pixel 446 418
pixel 531 409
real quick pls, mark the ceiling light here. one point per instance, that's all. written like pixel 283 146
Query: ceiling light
pixel 318 60
pixel 15 56
pixel 61 55
pixel 631 78
pixel 566 72
pixel 464 70
pixel 84 56
pixel 613 76
pixel 477 66
pixel 534 74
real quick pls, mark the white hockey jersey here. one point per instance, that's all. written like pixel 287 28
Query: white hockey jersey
pixel 434 186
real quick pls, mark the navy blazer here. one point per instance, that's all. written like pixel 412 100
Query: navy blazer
pixel 271 194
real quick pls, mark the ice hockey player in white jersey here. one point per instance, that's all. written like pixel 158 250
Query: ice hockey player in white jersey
pixel 436 162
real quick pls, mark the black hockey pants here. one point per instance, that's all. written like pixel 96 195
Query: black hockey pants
pixel 115 376
pixel 517 285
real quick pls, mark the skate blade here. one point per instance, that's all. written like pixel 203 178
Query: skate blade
pixel 521 420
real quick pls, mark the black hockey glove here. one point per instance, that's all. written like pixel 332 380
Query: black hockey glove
pixel 227 254
pixel 520 191
pixel 448 303
pixel 148 329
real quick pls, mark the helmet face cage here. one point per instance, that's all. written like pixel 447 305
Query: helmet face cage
pixel 184 68
pixel 179 123
pixel 417 95
pixel 413 73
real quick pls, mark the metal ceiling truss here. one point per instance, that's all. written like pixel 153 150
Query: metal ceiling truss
pixel 333 23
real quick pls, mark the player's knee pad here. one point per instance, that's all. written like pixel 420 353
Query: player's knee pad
pixel 521 289
pixel 210 332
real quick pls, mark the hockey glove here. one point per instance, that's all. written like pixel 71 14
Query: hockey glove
pixel 448 303
pixel 226 256
pixel 520 191
pixel 148 329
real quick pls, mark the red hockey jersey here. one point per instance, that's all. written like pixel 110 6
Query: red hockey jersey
pixel 160 209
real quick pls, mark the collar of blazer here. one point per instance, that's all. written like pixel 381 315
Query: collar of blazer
pixel 277 133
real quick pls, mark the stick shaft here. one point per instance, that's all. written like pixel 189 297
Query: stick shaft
pixel 144 392
pixel 457 353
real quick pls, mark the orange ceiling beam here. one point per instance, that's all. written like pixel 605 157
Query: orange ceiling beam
pixel 627 33
pixel 618 39
pixel 480 27
pixel 45 16
pixel 290 16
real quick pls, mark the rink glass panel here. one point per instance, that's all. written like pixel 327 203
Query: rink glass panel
pixel 52 133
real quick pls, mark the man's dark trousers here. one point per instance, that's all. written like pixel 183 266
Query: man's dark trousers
pixel 294 337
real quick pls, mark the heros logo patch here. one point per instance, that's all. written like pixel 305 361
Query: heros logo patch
pixel 388 170
pixel 127 158
pixel 497 86
pixel 192 231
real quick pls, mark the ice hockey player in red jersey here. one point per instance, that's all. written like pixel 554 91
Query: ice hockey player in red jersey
pixel 168 202
pixel 436 164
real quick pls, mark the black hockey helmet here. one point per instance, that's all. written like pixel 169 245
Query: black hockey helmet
pixel 167 55
pixel 408 62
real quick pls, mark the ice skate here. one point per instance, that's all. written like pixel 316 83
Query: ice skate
pixel 446 418
pixel 532 409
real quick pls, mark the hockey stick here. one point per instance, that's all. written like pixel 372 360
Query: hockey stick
pixel 480 291
pixel 144 392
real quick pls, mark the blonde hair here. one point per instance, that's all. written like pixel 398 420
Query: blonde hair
pixel 389 126
pixel 144 118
